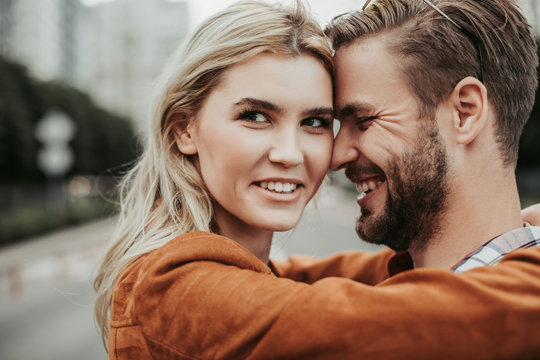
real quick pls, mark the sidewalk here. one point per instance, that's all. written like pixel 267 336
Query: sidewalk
pixel 91 236
pixel 47 297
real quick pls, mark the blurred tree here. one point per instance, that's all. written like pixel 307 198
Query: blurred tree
pixel 103 141
pixel 19 109
pixel 529 148
pixel 102 144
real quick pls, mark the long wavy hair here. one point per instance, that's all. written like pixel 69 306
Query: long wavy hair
pixel 163 195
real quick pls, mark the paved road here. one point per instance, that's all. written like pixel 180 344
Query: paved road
pixel 46 295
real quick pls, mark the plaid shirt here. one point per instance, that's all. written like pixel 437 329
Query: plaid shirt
pixel 494 250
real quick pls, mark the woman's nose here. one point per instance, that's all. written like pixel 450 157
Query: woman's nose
pixel 286 150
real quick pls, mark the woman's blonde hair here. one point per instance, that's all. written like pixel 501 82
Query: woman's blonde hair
pixel 163 195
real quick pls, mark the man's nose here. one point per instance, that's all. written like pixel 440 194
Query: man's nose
pixel 345 149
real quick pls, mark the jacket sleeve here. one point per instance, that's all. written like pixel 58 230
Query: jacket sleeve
pixel 364 267
pixel 213 310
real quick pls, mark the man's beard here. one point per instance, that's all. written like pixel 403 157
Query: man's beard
pixel 417 193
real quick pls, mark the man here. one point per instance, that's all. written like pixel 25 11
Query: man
pixel 432 102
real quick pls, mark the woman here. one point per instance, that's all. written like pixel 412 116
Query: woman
pixel 241 140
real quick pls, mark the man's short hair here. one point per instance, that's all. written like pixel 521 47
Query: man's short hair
pixel 435 55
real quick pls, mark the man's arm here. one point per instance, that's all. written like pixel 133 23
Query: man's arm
pixel 226 305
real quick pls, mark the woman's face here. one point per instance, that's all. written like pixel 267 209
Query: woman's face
pixel 263 141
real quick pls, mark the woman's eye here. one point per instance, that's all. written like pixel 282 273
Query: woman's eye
pixel 316 123
pixel 254 116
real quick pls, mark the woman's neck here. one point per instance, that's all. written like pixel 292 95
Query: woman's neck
pixel 258 241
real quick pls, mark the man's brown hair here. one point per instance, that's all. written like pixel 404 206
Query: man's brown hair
pixel 435 54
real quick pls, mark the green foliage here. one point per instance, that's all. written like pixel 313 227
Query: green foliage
pixel 529 145
pixel 19 110
pixel 37 218
pixel 529 148
pixel 103 142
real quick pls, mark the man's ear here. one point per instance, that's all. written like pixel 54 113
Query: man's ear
pixel 471 104
pixel 184 139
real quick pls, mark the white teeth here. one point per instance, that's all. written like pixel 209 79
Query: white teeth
pixel 278 186
pixel 366 186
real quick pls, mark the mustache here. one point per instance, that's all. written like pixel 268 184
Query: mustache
pixel 357 171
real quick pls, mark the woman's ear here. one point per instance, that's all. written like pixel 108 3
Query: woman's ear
pixel 471 104
pixel 184 139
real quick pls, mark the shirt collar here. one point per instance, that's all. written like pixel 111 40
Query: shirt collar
pixel 494 250
pixel 488 254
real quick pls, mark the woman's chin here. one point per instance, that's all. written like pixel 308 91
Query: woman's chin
pixel 277 225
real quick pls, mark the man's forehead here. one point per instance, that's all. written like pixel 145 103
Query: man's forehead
pixel 374 42
pixel 366 63
pixel 374 85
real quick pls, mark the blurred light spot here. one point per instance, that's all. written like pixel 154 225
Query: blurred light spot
pixel 80 186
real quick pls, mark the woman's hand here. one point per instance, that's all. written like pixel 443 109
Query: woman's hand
pixel 531 215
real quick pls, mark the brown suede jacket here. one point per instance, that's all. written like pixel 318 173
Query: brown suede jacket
pixel 202 296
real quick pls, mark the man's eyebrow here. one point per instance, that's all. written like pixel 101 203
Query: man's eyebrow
pixel 318 111
pixel 258 103
pixel 353 108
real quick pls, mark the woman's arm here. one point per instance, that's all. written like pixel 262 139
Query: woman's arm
pixel 210 299
pixel 365 267
pixel 489 312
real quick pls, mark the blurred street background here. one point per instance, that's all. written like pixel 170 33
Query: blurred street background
pixel 76 81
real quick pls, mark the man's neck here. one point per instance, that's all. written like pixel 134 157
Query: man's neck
pixel 477 212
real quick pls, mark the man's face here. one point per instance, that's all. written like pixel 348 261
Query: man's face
pixel 397 160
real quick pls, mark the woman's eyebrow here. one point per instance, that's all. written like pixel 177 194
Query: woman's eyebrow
pixel 259 103
pixel 267 105
pixel 319 111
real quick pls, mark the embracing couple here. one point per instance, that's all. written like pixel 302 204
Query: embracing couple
pixel 431 97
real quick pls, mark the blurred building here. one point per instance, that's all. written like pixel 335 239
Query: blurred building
pixel 113 50
pixel 531 9
pixel 126 44
pixel 41 35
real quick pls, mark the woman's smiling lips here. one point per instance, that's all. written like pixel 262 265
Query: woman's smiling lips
pixel 280 189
